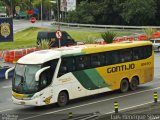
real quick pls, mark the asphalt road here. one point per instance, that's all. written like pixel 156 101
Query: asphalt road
pixel 102 103
pixel 19 25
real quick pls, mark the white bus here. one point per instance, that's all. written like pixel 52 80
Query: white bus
pixel 61 74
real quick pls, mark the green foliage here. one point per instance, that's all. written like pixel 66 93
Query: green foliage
pixel 138 12
pixel 85 13
pixel 44 44
pixel 72 17
pixel 113 12
pixel 46 4
pixel 25 5
pixel 108 36
pixel 90 39
pixel 149 32
pixel 116 12
pixel 28 37
pixel 23 39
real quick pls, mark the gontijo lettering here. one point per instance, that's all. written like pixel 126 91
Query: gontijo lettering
pixel 120 68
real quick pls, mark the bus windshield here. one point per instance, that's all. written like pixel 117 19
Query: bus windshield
pixel 24 78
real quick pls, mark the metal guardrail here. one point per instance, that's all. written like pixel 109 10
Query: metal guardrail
pixel 104 26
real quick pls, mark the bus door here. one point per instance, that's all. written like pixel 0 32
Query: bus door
pixel 98 62
pixel 84 74
pixel 45 80
pixel 88 74
pixel 71 76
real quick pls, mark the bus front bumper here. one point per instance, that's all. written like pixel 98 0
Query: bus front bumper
pixel 31 102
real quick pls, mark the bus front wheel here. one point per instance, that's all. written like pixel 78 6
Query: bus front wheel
pixel 62 99
pixel 134 83
pixel 124 86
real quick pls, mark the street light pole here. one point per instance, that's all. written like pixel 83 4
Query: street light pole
pixel 41 12
pixel 53 2
pixel 58 9
pixel 12 9
pixel 58 14
pixel 57 1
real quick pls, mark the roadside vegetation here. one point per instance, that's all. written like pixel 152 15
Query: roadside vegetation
pixel 149 32
pixel 23 39
pixel 28 38
pixel 108 36
pixel 109 12
pixel 44 44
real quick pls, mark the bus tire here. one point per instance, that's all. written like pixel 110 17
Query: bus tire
pixel 134 83
pixel 124 86
pixel 62 99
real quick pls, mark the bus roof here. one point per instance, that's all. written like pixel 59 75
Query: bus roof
pixel 42 56
pixel 115 46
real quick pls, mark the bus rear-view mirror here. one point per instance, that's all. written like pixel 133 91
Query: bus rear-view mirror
pixel 38 73
pixel 7 72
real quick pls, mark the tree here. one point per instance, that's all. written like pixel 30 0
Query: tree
pixel 157 19
pixel 10 5
pixel 46 7
pixel 97 12
pixel 138 12
pixel 108 12
pixel 120 12
pixel 85 13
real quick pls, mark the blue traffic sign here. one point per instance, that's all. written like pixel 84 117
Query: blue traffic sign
pixel 36 11
pixel 6 29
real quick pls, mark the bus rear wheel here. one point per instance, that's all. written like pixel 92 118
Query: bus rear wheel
pixel 124 86
pixel 134 83
pixel 62 99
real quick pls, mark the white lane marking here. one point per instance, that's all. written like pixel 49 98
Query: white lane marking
pixel 5 110
pixel 89 103
pixel 9 86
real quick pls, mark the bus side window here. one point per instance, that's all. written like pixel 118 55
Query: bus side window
pixel 44 79
pixel 67 65
pixel 147 51
pixel 136 54
pixel 112 57
pixel 71 64
pixel 83 62
pixel 142 52
pixel 107 59
pixel 47 75
pixel 102 59
pixel 63 67
pixel 97 60
pixel 126 55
